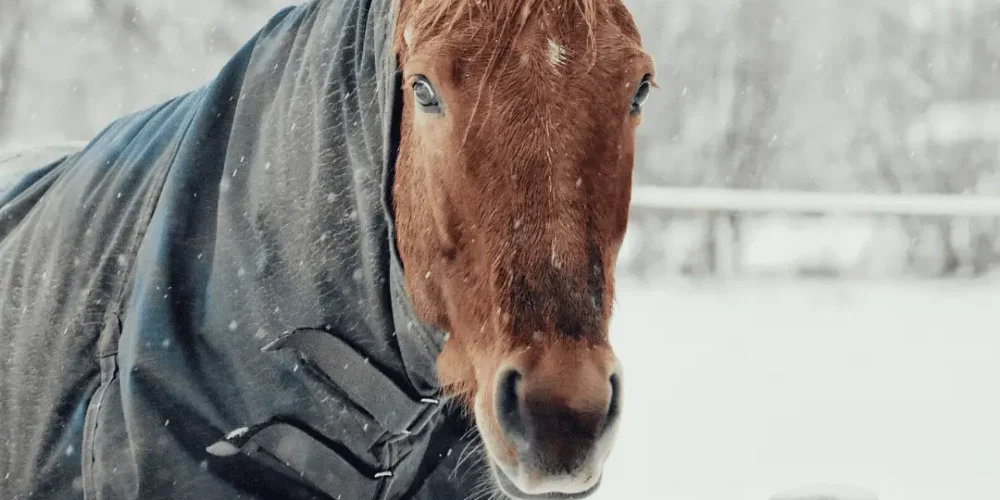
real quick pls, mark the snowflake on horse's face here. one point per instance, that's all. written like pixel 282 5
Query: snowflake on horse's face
pixel 511 196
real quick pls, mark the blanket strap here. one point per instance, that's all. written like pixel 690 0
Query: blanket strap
pixel 353 374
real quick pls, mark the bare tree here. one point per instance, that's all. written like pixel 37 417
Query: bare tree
pixel 757 67
pixel 123 17
pixel 12 32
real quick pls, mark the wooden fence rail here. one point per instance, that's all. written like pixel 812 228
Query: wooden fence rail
pixel 734 200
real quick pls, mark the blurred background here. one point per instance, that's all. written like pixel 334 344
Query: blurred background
pixel 843 96
pixel 765 349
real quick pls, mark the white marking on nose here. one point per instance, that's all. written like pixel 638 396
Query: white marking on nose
pixel 557 54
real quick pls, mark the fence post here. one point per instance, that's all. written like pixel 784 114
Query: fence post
pixel 726 249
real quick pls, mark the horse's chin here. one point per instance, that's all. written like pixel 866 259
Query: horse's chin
pixel 503 475
pixel 510 489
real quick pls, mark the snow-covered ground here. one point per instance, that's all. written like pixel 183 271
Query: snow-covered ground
pixel 736 391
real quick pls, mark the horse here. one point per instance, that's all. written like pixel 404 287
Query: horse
pixel 512 199
pixel 385 229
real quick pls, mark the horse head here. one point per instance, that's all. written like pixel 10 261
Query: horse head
pixel 511 198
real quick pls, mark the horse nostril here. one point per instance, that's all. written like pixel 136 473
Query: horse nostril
pixel 508 404
pixel 614 407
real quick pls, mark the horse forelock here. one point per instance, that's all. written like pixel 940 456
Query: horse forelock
pixel 486 39
pixel 450 22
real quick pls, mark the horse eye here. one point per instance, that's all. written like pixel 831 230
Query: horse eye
pixel 424 93
pixel 641 93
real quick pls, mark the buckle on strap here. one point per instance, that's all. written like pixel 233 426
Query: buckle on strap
pixel 355 376
pixel 308 455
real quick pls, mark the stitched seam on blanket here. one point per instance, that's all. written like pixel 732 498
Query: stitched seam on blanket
pixel 115 308
pixel 107 361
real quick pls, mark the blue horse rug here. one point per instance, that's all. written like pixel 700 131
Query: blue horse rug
pixel 206 300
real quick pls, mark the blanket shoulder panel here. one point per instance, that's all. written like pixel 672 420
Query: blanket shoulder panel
pixel 69 233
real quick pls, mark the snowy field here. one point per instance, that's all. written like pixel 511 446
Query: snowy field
pixel 735 391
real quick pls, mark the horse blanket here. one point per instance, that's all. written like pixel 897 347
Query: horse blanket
pixel 206 301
